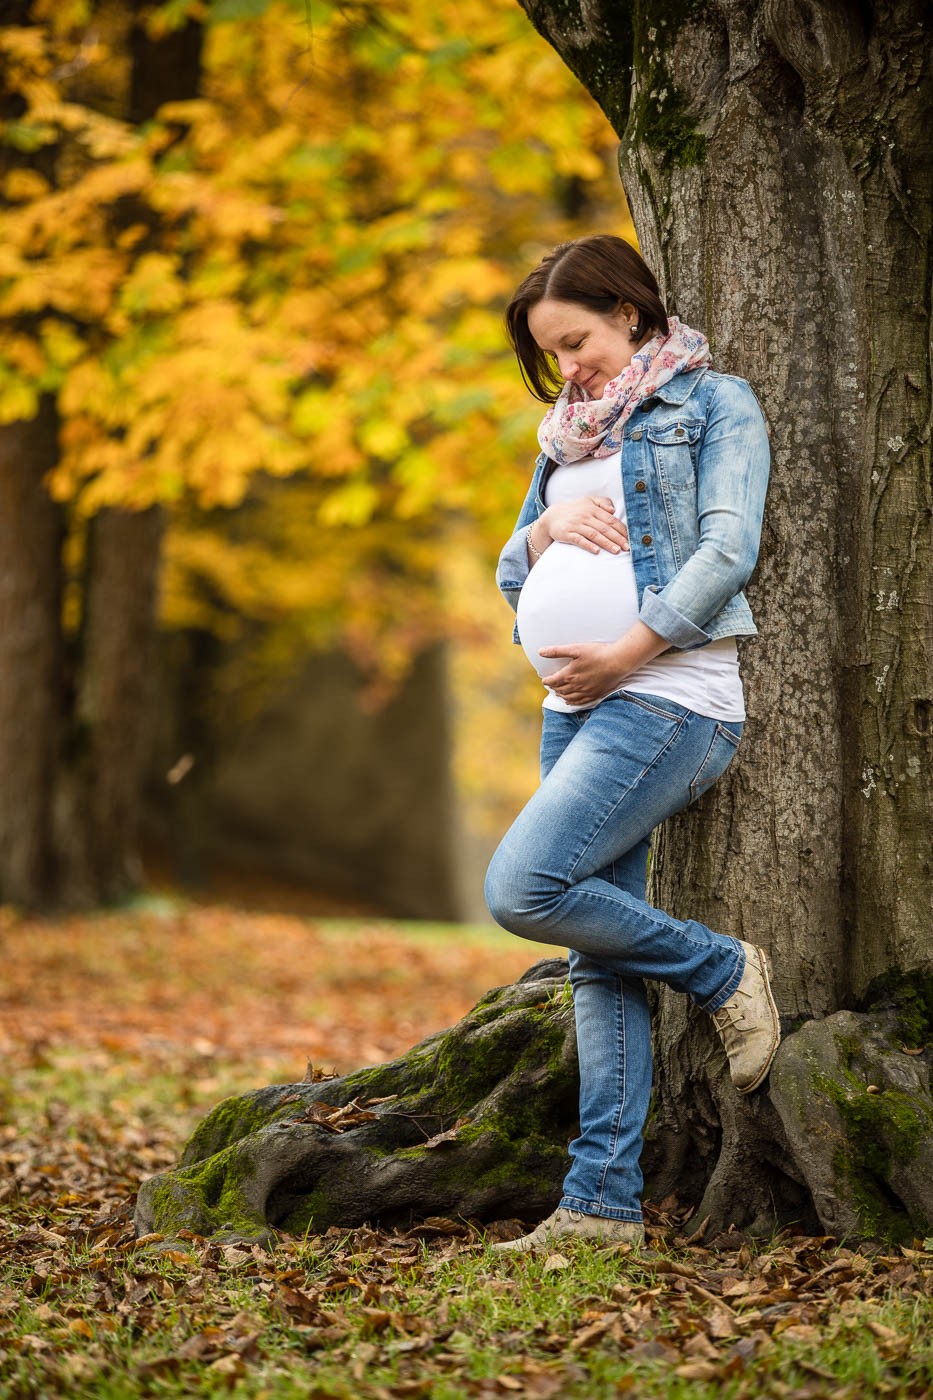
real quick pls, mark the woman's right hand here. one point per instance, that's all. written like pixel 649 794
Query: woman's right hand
pixel 589 523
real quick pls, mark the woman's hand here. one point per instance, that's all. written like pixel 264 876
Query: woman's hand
pixel 589 523
pixel 593 670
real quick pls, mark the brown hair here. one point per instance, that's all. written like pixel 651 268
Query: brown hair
pixel 601 273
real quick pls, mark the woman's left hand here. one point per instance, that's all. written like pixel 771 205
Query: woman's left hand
pixel 593 670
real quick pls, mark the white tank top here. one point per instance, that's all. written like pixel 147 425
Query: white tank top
pixel 572 595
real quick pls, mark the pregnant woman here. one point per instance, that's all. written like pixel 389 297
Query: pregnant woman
pixel 640 529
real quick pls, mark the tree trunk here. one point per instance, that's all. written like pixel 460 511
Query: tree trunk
pixel 778 161
pixel 30 656
pixel 98 808
pixel 777 158
pixel 74 719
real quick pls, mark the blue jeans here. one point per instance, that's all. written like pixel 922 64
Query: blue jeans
pixel 571 870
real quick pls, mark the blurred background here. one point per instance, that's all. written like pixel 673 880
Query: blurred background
pixel 262 439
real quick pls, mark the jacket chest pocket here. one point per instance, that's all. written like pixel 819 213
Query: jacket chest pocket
pixel 675 448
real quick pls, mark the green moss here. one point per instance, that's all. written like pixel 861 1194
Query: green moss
pixel 447 1077
pixel 879 1128
pixel 660 115
pixel 603 65
pixel 878 1217
pixel 313 1216
pixel 911 994
pixel 207 1198
pixel 232 1119
pixel 498 1162
pixel 468 1067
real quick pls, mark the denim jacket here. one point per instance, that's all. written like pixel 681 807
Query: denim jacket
pixel 695 462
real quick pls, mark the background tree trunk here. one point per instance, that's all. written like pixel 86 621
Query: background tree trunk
pixel 31 657
pixel 74 716
pixel 778 161
pixel 31 532
pixel 98 810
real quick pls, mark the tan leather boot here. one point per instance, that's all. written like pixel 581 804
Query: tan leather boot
pixel 573 1224
pixel 748 1023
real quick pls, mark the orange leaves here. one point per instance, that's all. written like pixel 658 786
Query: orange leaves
pixel 119 1030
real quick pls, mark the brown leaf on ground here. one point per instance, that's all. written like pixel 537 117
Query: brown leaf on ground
pixel 109 1004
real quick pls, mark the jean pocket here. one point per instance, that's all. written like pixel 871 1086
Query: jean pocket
pixel 718 757
pixel 657 705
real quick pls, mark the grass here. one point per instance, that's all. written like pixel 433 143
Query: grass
pixel 121 1031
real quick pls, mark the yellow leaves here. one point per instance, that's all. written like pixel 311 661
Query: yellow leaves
pixel 152 285
pixel 22 186
pixel 25 46
pixel 416 474
pixel 73 217
pixel 90 385
pixel 194 112
pixel 353 504
pixel 20 352
pixel 105 138
pixel 105 184
pixel 311 412
pixel 520 170
pixel 382 438
pixel 220 465
pixel 453 280
pixel 80 283
pixel 62 346
pixel 579 162
pixel 19 398
pixel 208 130
pixel 298 275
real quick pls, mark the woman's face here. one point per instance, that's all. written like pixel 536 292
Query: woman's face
pixel 589 348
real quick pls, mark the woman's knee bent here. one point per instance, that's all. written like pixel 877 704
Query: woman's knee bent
pixel 523 904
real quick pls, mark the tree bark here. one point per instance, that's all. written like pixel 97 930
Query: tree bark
pixel 75 714
pixel 98 808
pixel 31 655
pixel 31 532
pixel 778 161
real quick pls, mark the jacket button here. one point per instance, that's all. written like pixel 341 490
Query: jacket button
pixel 640 486
pixel 646 539
pixel 638 433
pixel 679 432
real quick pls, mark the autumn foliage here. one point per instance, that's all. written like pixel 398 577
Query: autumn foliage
pixel 296 274
pixel 253 258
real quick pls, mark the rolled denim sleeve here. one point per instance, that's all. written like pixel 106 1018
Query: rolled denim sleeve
pixel 732 480
pixel 513 567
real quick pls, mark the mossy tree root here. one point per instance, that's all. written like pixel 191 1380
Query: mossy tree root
pixel 854 1098
pixel 474 1122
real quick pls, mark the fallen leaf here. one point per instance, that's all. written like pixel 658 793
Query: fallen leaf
pixel 588 1336
pixel 441 1139
pixel 697 1371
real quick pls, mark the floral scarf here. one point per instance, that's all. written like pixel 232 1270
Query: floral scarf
pixel 576 426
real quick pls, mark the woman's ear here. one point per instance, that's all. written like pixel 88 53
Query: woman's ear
pixel 633 319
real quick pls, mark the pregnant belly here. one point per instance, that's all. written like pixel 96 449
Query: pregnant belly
pixel 573 596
